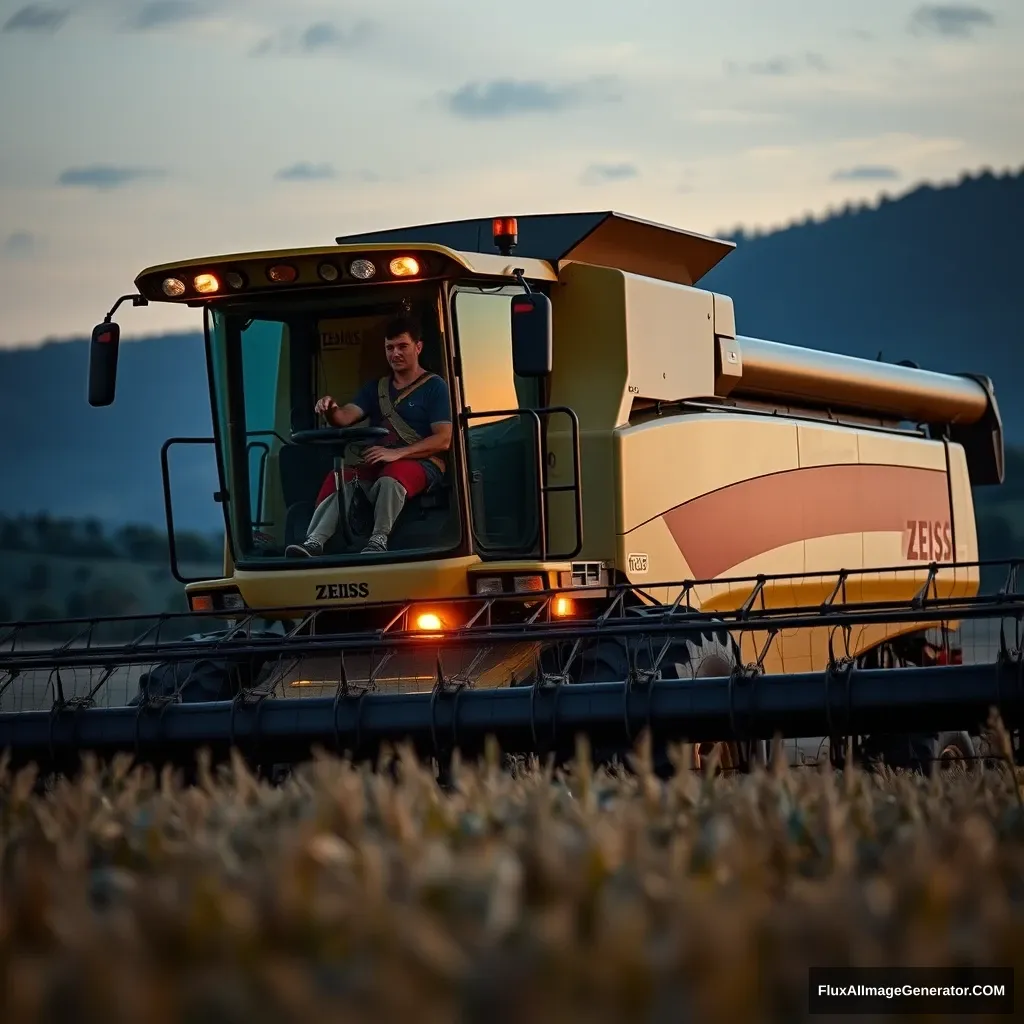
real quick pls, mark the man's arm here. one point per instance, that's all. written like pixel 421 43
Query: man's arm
pixel 440 440
pixel 344 415
pixel 440 410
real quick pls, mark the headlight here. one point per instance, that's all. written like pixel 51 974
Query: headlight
pixel 206 284
pixel 488 585
pixel 405 266
pixel 362 270
pixel 282 273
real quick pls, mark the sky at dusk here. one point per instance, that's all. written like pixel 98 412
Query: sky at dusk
pixel 135 133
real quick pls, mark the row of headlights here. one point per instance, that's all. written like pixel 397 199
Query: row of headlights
pixel 360 269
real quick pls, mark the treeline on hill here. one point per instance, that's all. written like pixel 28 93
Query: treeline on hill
pixel 66 568
pixel 72 538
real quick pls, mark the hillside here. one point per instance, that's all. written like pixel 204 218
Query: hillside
pixel 65 458
pixel 75 568
pixel 933 276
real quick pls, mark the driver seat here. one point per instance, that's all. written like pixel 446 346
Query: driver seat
pixel 303 467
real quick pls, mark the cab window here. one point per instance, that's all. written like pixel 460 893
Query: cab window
pixel 272 361
pixel 502 452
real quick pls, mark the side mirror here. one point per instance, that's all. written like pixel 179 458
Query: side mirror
pixel 531 335
pixel 103 363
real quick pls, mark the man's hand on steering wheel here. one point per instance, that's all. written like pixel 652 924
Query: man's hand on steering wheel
pixel 326 407
pixel 377 456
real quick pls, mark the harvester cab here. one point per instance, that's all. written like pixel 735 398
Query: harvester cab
pixel 284 329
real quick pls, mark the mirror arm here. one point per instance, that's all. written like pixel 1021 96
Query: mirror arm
pixel 517 273
pixel 137 300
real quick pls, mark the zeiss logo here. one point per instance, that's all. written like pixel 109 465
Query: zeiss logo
pixel 341 591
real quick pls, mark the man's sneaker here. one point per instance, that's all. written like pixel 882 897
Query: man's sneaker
pixel 378 542
pixel 310 548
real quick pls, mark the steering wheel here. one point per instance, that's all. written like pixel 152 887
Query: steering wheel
pixel 338 435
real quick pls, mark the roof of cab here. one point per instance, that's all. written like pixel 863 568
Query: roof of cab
pixel 604 238
pixel 476 262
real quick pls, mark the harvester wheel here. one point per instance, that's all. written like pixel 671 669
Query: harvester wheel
pixel 698 655
pixel 917 752
pixel 955 750
pixel 202 680
pixel 695 656
pixel 923 752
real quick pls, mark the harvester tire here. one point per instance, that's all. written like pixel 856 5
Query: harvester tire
pixel 202 680
pixel 924 753
pixel 698 655
pixel 955 749
pixel 701 654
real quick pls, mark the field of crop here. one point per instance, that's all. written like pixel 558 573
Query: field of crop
pixel 347 896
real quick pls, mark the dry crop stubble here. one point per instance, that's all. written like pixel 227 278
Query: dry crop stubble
pixel 344 895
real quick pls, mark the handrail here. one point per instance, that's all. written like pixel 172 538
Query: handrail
pixel 544 489
pixel 165 473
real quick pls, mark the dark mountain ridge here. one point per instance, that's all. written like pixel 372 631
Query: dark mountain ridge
pixel 64 458
pixel 934 276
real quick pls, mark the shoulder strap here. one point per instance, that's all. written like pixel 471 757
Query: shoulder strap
pixel 422 379
pixel 388 411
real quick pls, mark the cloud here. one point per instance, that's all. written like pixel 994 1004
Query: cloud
pixel 323 35
pixel 867 173
pixel 505 97
pixel 318 38
pixel 953 20
pixel 780 66
pixel 161 13
pixel 103 177
pixel 597 174
pixel 36 18
pixel 304 171
pixel 19 244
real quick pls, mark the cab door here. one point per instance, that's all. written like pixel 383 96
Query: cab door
pixel 502 432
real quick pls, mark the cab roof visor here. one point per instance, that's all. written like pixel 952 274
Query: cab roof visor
pixel 608 239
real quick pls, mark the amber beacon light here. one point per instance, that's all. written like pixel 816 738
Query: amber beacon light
pixel 506 234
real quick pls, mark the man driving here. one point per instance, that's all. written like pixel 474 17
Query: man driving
pixel 412 404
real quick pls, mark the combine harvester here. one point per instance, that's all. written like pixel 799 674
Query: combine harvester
pixel 645 521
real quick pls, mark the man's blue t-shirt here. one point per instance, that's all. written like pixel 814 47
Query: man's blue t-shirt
pixel 427 405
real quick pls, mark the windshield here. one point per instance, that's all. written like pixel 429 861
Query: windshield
pixel 297 492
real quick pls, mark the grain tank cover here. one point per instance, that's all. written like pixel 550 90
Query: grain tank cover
pixel 607 239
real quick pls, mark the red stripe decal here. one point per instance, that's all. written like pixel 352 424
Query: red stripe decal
pixel 719 530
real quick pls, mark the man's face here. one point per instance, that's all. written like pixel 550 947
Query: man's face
pixel 402 352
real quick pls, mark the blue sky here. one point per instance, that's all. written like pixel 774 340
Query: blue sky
pixel 137 132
